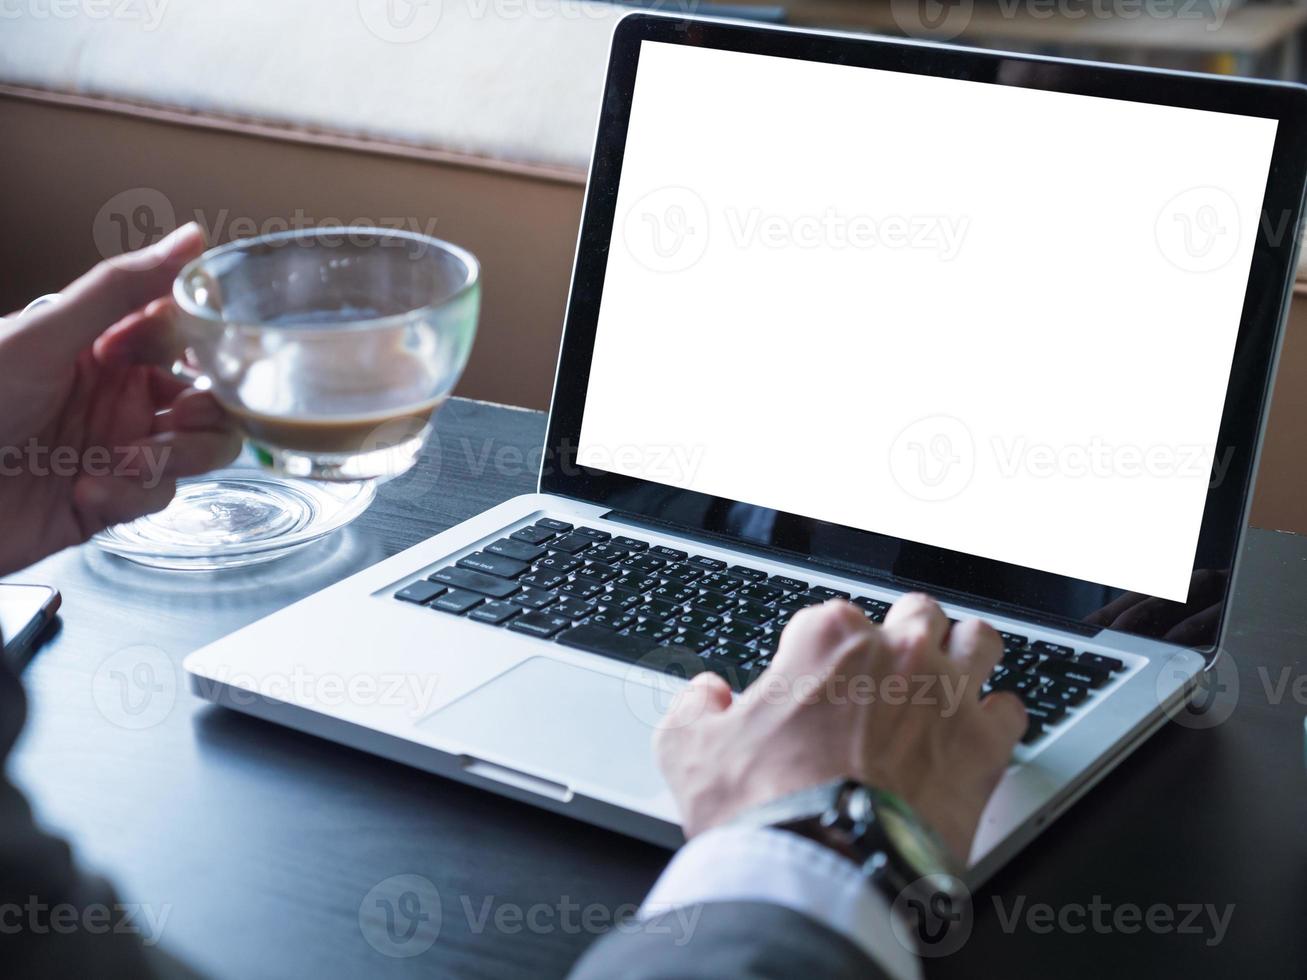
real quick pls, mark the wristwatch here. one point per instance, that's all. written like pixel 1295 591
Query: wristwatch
pixel 875 830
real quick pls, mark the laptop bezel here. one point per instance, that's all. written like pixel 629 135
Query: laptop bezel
pixel 1029 591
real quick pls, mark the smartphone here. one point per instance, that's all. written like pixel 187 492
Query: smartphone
pixel 25 612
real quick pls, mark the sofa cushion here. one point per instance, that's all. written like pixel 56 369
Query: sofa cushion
pixel 509 80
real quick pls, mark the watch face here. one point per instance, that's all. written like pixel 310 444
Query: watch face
pixel 914 842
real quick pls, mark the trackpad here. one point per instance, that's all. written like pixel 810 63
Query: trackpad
pixel 553 720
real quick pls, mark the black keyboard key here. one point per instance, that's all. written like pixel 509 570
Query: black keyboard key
pixel 668 554
pixel 1101 662
pixel 690 640
pixel 739 632
pixel 596 639
pixel 420 592
pixel 534 598
pixel 465 578
pixel 1071 672
pixel 543 580
pixel 532 535
pixel 549 524
pixel 1021 659
pixel 659 610
pixel 637 581
pixel 707 564
pixel 652 629
pixel 580 589
pixel 753 612
pixel 1051 689
pixel 1052 649
pixel 724 583
pixel 736 676
pixel 1015 682
pixel 1047 716
pixel 683 574
pixel 789 584
pixel 696 620
pixel 541 624
pixel 674 592
pixel 519 550
pixel 632 649
pixel 752 574
pixel 571 544
pixel 734 653
pixel 824 593
pixel 631 544
pixel 457 601
pixel 572 608
pixel 646 564
pixel 560 564
pixel 609 553
pixel 494 612
pixel 594 534
pixel 710 602
pixel 615 620
pixel 1013 641
pixel 759 592
pixel 874 608
pixel 620 598
pixel 598 572
pixel 494 565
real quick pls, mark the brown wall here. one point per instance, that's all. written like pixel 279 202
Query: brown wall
pixel 1280 502
pixel 63 165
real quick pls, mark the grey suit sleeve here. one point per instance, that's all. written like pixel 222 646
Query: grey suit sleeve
pixel 56 921
pixel 738 940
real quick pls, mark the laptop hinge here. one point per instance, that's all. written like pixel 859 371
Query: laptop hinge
pixel 862 574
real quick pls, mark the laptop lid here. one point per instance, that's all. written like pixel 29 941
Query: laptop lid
pixel 994 326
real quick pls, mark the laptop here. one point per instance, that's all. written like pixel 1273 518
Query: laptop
pixel 850 317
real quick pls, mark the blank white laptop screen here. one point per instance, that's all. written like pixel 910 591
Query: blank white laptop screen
pixel 981 317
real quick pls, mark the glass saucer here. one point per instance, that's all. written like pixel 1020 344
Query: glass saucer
pixel 237 517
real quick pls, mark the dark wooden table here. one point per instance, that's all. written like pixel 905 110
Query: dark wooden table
pixel 257 846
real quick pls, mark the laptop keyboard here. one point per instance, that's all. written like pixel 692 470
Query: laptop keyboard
pixel 669 610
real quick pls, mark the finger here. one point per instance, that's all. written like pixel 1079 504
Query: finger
pixel 166 388
pixel 148 336
pixel 192 410
pixel 976 648
pixel 110 292
pixel 104 501
pixel 917 620
pixel 706 695
pixel 1007 715
pixel 179 454
pixel 819 636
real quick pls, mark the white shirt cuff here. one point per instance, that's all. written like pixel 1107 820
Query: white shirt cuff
pixel 762 864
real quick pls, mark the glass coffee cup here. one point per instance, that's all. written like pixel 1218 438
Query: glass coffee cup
pixel 333 349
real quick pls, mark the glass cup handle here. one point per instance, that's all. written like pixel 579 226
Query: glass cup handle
pixel 184 369
pixel 36 304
